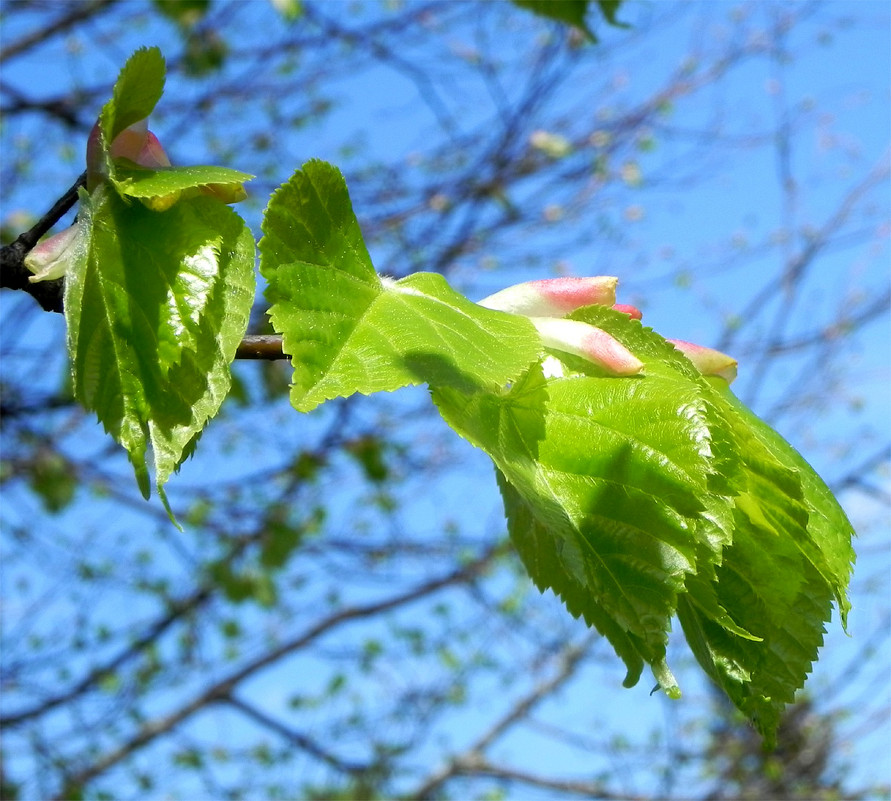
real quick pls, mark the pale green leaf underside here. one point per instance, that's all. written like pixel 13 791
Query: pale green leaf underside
pixel 348 331
pixel 155 310
pixel 139 182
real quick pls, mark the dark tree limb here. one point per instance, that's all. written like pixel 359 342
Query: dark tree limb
pixel 13 272
pixel 295 738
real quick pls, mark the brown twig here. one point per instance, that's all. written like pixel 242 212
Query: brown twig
pixel 260 346
pixel 13 272
pixel 221 691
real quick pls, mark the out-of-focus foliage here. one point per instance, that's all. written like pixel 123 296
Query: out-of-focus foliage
pixel 574 12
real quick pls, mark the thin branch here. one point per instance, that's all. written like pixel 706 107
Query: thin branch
pixel 816 243
pixel 855 477
pixel 261 346
pixel 296 738
pixel 177 611
pixel 222 690
pixel 78 13
pixel 472 761
pixel 877 307
pixel 64 108
pixel 585 789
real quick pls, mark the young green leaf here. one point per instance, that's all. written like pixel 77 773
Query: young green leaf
pixel 791 556
pixel 156 305
pixel 574 12
pixel 136 92
pixel 347 330
pixel 765 607
pixel 634 494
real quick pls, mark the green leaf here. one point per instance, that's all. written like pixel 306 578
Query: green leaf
pixel 156 304
pixel 829 541
pixel 205 52
pixel 573 12
pixel 347 330
pixel 51 477
pixel 136 92
pixel 637 498
pixel 609 8
pixel 371 454
pixel 765 607
pixel 790 557
pixel 607 485
pixel 570 12
pixel 160 189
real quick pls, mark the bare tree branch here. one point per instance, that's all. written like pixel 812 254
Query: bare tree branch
pixel 261 346
pixel 78 13
pixel 816 243
pixel 13 272
pixel 177 611
pixel 223 689
pixel 473 761
pixel 296 738
pixel 511 775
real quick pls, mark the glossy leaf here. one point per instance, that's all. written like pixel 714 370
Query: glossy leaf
pixel 829 541
pixel 637 498
pixel 156 305
pixel 791 556
pixel 347 330
pixel 607 487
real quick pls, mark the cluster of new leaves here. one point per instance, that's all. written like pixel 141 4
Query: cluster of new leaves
pixel 635 498
pixel 159 283
pixel 638 496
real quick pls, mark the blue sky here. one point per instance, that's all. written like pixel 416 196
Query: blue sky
pixel 710 207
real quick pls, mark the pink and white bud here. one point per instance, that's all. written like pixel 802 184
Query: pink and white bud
pixel 554 297
pixel 150 155
pixel 593 344
pixel 50 258
pixel 135 142
pixel 707 360
pixel 632 311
